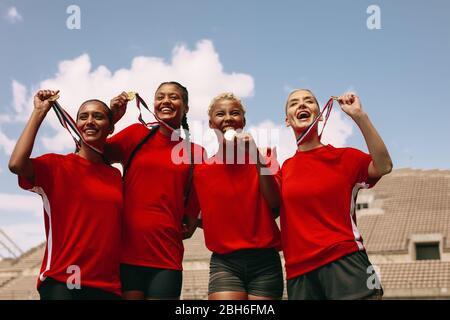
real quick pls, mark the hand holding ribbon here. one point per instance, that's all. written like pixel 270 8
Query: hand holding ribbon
pixel 68 123
pixel 325 111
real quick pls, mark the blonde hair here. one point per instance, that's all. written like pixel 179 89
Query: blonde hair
pixel 225 96
pixel 296 90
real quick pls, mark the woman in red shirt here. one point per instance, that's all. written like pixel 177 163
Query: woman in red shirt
pixel 156 192
pixel 323 249
pixel 82 198
pixel 236 190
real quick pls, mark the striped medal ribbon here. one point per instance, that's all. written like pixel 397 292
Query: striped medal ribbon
pixel 69 124
pixel 152 125
pixel 139 101
pixel 327 108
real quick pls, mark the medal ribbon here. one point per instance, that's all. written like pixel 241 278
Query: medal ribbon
pixel 69 124
pixel 327 108
pixel 139 102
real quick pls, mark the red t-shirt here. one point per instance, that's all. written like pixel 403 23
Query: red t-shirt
pixel 82 209
pixel 234 213
pixel 318 221
pixel 153 197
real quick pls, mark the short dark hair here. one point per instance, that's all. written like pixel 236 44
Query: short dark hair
pixel 109 113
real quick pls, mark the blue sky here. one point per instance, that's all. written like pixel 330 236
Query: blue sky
pixel 401 71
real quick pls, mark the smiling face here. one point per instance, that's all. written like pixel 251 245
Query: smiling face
pixel 94 122
pixel 226 114
pixel 301 109
pixel 169 105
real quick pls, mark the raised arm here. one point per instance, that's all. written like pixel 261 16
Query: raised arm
pixel 118 106
pixel 20 162
pixel 267 182
pixel 381 160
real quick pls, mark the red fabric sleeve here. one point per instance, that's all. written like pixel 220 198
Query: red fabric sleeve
pixel 44 170
pixel 360 162
pixel 120 145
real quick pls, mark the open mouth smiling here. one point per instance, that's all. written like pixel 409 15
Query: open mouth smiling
pixel 90 131
pixel 302 115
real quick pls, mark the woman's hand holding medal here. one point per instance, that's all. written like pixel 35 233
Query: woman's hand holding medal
pixel 246 144
pixel 351 105
pixel 118 106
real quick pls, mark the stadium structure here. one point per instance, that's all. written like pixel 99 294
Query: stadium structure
pixel 404 221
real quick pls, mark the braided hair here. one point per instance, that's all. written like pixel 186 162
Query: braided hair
pixel 185 126
pixel 185 98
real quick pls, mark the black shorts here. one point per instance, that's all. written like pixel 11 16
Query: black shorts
pixel 350 277
pixel 257 272
pixel 153 282
pixel 51 289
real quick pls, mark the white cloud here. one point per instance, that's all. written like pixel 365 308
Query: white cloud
pixel 19 96
pixel 267 133
pixel 200 70
pixel 21 203
pixel 6 143
pixel 20 102
pixel 25 235
pixel 13 15
pixel 338 128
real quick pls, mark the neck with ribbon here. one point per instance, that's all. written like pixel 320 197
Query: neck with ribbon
pixel 326 111
pixel 70 125
pixel 153 125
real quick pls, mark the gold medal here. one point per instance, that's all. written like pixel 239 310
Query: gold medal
pixel 53 98
pixel 131 95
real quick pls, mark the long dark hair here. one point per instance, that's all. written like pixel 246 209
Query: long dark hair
pixel 185 126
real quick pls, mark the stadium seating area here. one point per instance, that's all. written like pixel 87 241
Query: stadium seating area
pixel 417 280
pixel 414 202
pixel 18 277
pixel 404 204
